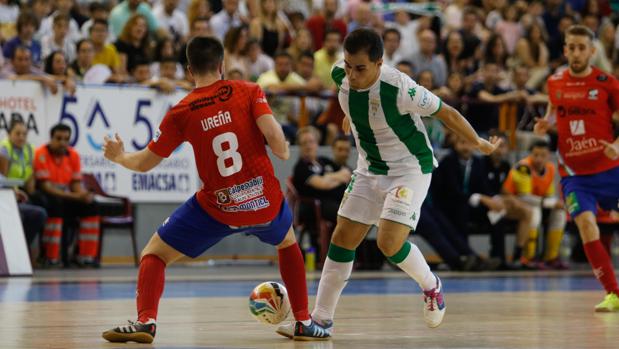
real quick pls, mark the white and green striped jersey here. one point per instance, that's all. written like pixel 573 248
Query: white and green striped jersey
pixel 386 122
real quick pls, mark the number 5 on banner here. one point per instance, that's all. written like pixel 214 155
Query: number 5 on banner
pixel 142 119
pixel 65 115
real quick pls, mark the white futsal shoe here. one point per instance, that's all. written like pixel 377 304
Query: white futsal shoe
pixel 434 308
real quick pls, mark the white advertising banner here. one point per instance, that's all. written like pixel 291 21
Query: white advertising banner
pixel 95 111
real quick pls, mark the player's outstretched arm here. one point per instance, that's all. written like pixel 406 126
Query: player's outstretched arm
pixel 457 123
pixel 274 135
pixel 140 161
pixel 543 125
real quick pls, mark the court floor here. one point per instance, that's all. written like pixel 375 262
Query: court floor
pixel 206 307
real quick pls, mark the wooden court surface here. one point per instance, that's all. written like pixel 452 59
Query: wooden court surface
pixel 473 320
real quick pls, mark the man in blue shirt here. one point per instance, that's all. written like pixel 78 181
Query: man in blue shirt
pixel 27 25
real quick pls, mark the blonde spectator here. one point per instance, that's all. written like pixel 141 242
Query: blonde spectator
pixel 234 44
pixel 268 28
pixel 606 36
pixel 198 9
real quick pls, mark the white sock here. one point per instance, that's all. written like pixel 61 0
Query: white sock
pixel 415 265
pixel 332 281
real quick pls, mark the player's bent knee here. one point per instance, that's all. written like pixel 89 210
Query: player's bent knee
pixel 587 227
pixel 289 240
pixel 156 246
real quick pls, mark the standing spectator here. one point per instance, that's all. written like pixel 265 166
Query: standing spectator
pixel 234 46
pixel 21 68
pixel 17 155
pixel 122 14
pixel 340 148
pixel 58 174
pixel 27 25
pixel 533 52
pixel 58 39
pixel 283 79
pixel 268 28
pixel 173 20
pixel 328 55
pixel 259 63
pixel 98 12
pixel 408 29
pixel 391 44
pixel 324 21
pixel 133 43
pixel 426 59
pixel 472 42
pixel 301 43
pixel 56 67
pixel 63 7
pixel 226 19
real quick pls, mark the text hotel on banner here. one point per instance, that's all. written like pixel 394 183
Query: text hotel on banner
pixel 98 110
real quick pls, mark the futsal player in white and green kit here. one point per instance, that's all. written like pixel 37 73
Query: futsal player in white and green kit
pixel 384 108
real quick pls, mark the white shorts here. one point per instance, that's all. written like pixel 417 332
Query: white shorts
pixel 369 198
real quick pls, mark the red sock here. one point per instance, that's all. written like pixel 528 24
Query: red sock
pixel 292 270
pixel 602 265
pixel 151 278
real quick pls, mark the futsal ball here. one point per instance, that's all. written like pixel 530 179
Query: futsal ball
pixel 269 303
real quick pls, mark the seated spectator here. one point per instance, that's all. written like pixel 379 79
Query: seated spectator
pixel 302 42
pixel 165 49
pixel 267 28
pixel 324 20
pixel 198 9
pixel 496 52
pixel 173 20
pixel 16 158
pixel 319 178
pixel 362 17
pixel 84 62
pixel 454 55
pixel 133 43
pixel 123 12
pixel 58 174
pixel 63 7
pixel 532 181
pixel 105 52
pixel 259 63
pixel 426 59
pixel 199 27
pixel 532 51
pixel 228 18
pixel 58 39
pixel 234 46
pixel 27 25
pixel 98 12
pixel 405 67
pixel 282 79
pixel 328 55
pixel 21 68
pixel 56 66
pixel 340 148
pixel 141 74
pixel 483 114
pixel 168 70
pixel 9 11
pixel 391 43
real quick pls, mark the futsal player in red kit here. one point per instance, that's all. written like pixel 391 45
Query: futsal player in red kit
pixel 226 123
pixel 582 102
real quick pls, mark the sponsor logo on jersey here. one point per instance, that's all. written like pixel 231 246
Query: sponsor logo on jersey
pixel 223 197
pixel 157 135
pixel 593 94
pixel 222 94
pixel 577 127
pixel 424 101
pixel 602 77
pixel 574 95
pixel 582 146
pixel 261 100
pixel 411 92
pixel 574 110
pixel 253 205
pixel 238 193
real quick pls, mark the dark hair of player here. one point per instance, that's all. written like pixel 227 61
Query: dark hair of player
pixel 364 40
pixel 204 54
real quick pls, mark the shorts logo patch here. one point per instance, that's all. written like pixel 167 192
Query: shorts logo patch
pixel 396 212
pixel 572 203
pixel 404 194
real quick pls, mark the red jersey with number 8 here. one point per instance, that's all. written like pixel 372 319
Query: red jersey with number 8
pixel 219 120
pixel 584 108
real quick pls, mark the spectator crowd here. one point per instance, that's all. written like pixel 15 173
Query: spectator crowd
pixel 489 58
